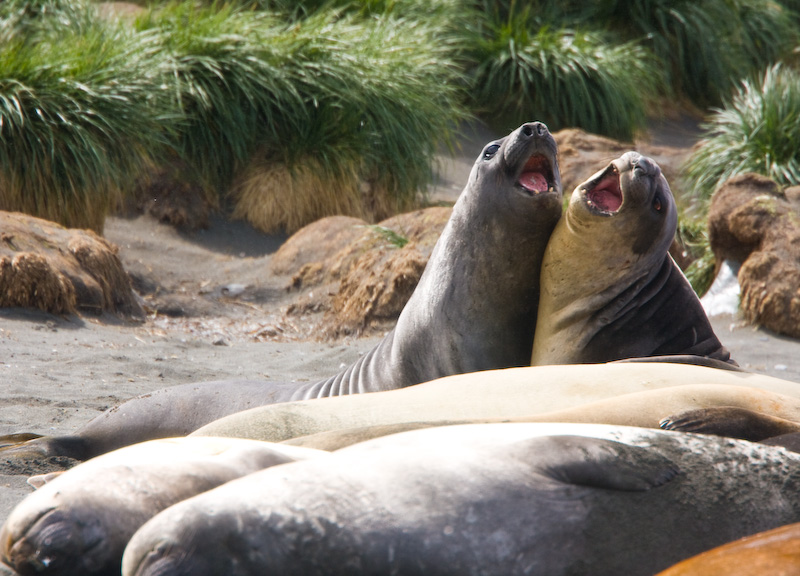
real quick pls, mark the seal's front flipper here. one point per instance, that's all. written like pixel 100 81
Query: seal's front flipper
pixel 599 463
pixel 731 422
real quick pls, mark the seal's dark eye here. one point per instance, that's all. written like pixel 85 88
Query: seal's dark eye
pixel 657 203
pixel 490 151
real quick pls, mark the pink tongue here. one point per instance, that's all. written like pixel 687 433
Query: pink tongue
pixel 606 197
pixel 533 181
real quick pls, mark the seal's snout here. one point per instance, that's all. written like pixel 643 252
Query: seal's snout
pixel 645 166
pixel 531 158
pixel 534 129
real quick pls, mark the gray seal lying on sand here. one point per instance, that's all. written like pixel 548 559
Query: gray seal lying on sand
pixel 509 499
pixel 79 522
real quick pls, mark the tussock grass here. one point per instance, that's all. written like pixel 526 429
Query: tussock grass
pixel 757 131
pixel 80 112
pixel 564 77
pixel 274 197
pixel 361 106
pixel 694 236
pixel 705 45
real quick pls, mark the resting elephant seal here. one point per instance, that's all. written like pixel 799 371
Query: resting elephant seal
pixel 79 523
pixel 609 288
pixel 522 393
pixel 555 499
pixel 643 409
pixel 474 308
pixel 775 552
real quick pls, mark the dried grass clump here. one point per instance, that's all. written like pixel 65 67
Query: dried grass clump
pixel 273 197
pixel 375 290
pixel 36 271
pixel 30 281
pixel 420 227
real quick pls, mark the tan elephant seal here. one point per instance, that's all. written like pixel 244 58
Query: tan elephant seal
pixel 511 499
pixel 79 522
pixel 474 309
pixel 775 552
pixel 609 288
pixel 645 409
pixel 511 393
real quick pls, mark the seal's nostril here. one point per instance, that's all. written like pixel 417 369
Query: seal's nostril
pixel 527 130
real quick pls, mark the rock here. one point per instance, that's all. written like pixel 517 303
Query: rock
pixel 376 289
pixel 354 272
pixel 752 222
pixel 316 243
pixel 48 267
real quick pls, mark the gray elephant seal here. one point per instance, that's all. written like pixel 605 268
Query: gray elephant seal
pixel 80 522
pixel 474 309
pixel 555 499
pixel 609 289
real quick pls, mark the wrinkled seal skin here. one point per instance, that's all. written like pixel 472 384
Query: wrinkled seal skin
pixel 772 553
pixel 79 523
pixel 555 499
pixel 474 309
pixel 609 288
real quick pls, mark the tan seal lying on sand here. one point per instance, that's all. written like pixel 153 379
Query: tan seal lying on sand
pixel 520 393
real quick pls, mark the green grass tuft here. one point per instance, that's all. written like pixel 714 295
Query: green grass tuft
pixel 80 114
pixel 393 238
pixel 563 77
pixel 757 132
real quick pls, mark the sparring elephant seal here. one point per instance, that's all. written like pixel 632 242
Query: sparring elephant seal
pixel 79 522
pixel 609 288
pixel 555 499
pixel 474 308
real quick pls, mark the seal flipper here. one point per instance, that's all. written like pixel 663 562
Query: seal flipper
pixel 73 447
pixel 731 422
pixel 690 359
pixel 599 463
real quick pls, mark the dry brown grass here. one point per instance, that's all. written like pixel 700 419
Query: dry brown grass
pixel 274 197
pixel 87 211
pixel 375 290
pixel 29 280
